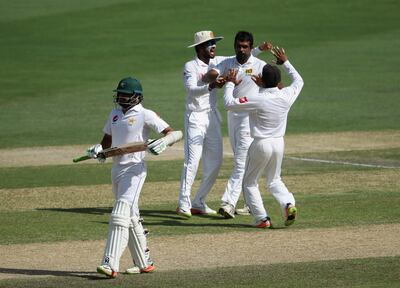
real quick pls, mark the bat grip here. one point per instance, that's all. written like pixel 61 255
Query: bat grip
pixel 82 158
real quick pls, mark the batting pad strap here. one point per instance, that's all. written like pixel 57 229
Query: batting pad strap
pixel 173 137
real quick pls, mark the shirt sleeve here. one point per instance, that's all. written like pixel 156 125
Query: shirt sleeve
pixel 238 104
pixel 153 121
pixel 191 82
pixel 255 51
pixel 107 126
pixel 292 91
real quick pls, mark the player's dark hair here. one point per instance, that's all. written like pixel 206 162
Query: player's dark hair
pixel 242 36
pixel 271 76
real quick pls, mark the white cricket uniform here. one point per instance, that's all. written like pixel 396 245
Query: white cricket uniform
pixel 203 137
pixel 268 117
pixel 238 121
pixel 129 171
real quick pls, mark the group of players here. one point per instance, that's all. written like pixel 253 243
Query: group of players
pixel 257 104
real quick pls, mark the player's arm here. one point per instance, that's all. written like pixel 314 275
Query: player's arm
pixel 297 81
pixel 263 47
pixel 191 82
pixel 106 141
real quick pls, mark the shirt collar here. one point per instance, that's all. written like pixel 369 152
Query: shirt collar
pixel 201 63
pixel 249 61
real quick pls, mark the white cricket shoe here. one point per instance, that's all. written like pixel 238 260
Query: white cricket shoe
pixel 106 270
pixel 203 210
pixel 227 211
pixel 243 211
pixel 183 212
pixel 133 270
pixel 264 223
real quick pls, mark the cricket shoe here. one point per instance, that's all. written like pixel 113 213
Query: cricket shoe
pixel 148 269
pixel 203 211
pixel 290 213
pixel 183 212
pixel 264 223
pixel 227 211
pixel 245 211
pixel 106 270
pixel 133 270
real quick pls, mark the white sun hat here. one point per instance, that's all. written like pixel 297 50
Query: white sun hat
pixel 204 36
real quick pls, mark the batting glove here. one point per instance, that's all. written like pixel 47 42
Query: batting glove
pixel 93 152
pixel 157 147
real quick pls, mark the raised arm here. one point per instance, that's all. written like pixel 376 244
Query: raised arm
pixel 297 81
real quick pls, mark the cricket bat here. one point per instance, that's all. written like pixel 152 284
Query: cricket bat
pixel 118 150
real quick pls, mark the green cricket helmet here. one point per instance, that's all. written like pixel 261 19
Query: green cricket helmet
pixel 129 93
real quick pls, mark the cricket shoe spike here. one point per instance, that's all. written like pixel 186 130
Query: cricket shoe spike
pixel 183 212
pixel 290 213
pixel 203 211
pixel 106 270
pixel 264 223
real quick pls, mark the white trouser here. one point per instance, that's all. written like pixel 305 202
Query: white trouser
pixel 265 155
pixel 240 139
pixel 127 183
pixel 203 139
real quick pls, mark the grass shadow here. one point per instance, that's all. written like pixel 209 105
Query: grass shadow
pixel 38 272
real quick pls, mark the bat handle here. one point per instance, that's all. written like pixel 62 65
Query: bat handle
pixel 81 158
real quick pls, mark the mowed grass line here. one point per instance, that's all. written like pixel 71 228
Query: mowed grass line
pixel 369 272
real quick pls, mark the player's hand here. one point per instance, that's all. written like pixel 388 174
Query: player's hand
pixel 218 83
pixel 157 147
pixel 231 77
pixel 280 55
pixel 94 150
pixel 258 80
pixel 265 46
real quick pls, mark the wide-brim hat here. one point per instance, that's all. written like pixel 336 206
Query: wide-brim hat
pixel 204 36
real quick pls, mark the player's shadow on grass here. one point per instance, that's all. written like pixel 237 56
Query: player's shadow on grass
pixel 37 272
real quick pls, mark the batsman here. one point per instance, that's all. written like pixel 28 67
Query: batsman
pixel 129 122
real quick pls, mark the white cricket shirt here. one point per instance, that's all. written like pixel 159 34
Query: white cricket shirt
pixel 133 126
pixel 198 97
pixel 268 109
pixel 247 87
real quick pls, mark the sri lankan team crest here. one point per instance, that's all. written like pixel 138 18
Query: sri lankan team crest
pixel 249 71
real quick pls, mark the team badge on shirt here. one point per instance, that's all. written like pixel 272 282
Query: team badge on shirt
pixel 131 121
pixel 249 71
pixel 115 119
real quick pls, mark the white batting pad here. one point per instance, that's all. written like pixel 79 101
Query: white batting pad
pixel 117 235
pixel 138 243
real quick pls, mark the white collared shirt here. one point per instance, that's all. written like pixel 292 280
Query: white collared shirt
pixel 133 126
pixel 199 98
pixel 268 109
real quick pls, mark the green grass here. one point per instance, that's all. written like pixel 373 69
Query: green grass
pixel 87 174
pixel 60 61
pixel 315 211
pixel 369 272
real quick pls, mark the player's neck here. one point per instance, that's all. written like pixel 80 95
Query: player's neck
pixel 203 58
